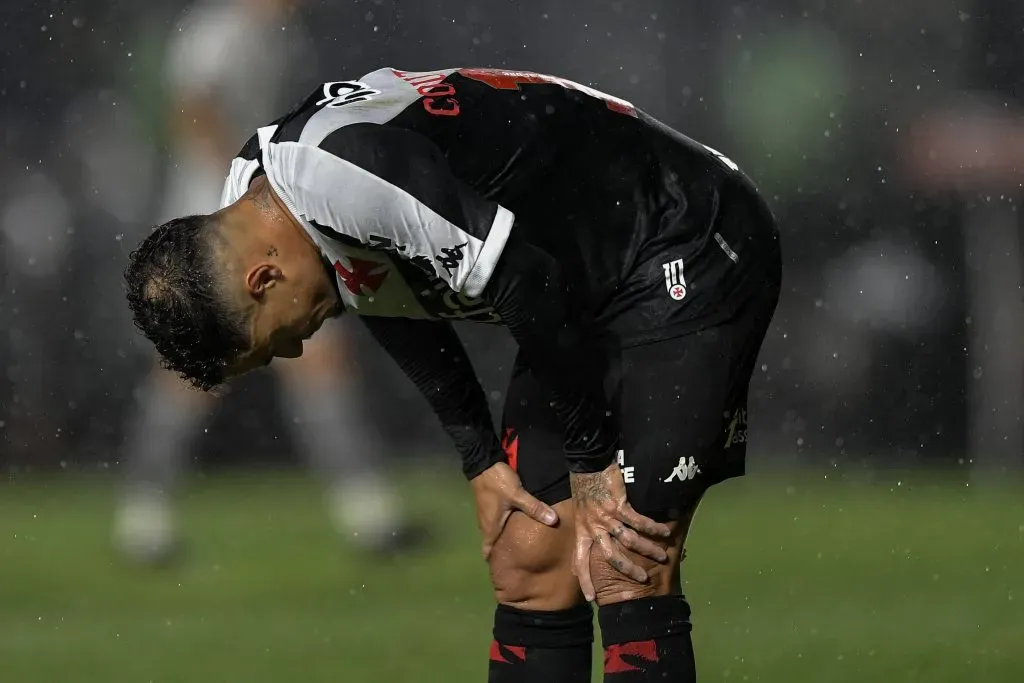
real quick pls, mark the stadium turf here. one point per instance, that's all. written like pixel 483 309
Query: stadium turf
pixel 790 580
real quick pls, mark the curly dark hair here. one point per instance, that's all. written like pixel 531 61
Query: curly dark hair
pixel 178 304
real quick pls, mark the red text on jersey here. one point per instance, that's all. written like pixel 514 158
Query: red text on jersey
pixel 438 97
pixel 511 80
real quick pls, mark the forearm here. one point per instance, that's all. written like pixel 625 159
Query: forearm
pixel 432 356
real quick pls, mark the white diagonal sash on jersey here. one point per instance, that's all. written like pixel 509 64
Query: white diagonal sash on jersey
pixel 394 96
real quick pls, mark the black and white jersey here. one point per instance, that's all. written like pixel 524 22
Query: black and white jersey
pixel 411 183
pixel 515 198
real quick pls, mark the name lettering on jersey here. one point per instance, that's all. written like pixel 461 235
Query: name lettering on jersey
pixel 340 93
pixel 438 97
pixel 390 246
pixel 511 80
pixel 362 275
pixel 456 305
pixel 435 295
pixel 675 283
pixel 451 257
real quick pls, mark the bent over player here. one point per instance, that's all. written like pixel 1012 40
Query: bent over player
pixel 637 270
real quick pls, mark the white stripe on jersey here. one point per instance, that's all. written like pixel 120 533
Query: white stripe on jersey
pixel 237 183
pixel 487 259
pixel 394 96
pixel 314 183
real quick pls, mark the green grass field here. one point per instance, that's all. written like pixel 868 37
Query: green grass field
pixel 790 580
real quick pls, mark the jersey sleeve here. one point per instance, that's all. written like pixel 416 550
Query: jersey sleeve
pixel 387 185
pixel 529 293
pixel 431 354
pixel 240 173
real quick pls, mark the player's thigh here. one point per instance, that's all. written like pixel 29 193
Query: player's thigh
pixel 683 406
pixel 531 564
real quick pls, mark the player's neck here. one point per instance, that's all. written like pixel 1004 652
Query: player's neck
pixel 259 222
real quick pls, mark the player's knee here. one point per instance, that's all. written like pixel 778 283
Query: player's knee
pixel 538 586
pixel 531 565
pixel 611 586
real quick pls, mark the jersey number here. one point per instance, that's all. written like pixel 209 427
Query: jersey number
pixel 511 80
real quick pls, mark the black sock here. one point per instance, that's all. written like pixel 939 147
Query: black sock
pixel 647 640
pixel 542 647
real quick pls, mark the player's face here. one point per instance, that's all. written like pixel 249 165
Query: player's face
pixel 288 313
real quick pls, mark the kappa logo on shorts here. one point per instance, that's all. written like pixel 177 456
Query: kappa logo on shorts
pixel 675 283
pixel 686 470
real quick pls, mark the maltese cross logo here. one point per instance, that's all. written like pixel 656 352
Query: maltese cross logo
pixel 675 283
pixel 368 274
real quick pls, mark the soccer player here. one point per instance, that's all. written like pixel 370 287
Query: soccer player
pixel 637 270
pixel 228 68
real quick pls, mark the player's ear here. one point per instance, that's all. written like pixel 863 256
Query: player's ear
pixel 262 278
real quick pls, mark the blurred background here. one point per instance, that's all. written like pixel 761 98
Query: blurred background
pixel 886 438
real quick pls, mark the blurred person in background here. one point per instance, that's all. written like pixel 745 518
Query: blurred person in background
pixel 230 66
pixel 863 361
pixel 965 156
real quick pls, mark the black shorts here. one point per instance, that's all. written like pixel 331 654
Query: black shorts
pixel 682 405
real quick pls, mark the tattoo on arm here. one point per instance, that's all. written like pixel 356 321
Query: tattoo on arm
pixel 589 488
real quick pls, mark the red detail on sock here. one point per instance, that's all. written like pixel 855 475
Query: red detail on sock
pixel 497 654
pixel 510 444
pixel 613 655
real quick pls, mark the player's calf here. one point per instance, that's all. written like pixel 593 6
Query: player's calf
pixel 645 628
pixel 543 629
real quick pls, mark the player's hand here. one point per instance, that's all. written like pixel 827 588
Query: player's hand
pixel 498 493
pixel 606 524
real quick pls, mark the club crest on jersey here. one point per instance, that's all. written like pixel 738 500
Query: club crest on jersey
pixel 675 283
pixel 340 93
pixel 362 277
